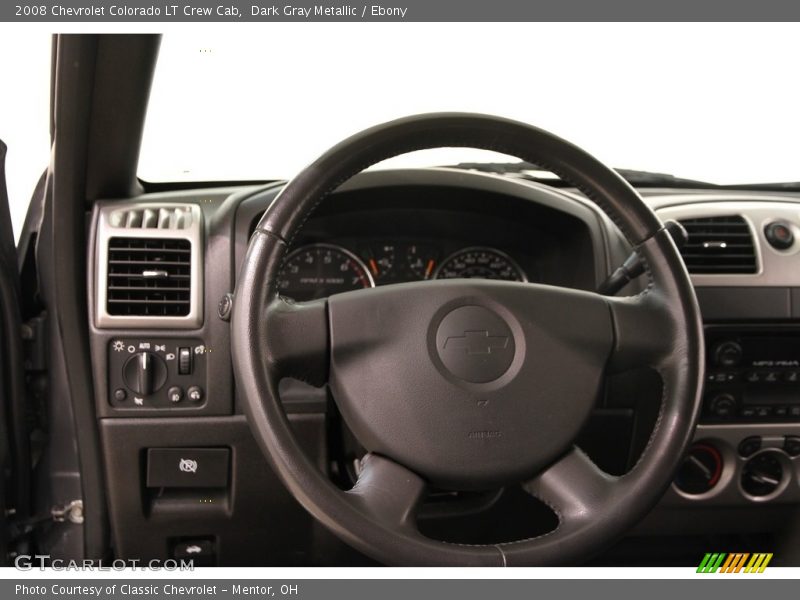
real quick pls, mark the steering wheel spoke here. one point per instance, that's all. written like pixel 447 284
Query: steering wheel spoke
pixel 297 339
pixel 644 331
pixel 574 487
pixel 388 492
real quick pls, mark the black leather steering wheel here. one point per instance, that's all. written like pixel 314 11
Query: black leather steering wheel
pixel 468 384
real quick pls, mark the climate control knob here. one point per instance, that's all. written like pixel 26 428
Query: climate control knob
pixel 700 471
pixel 145 373
pixel 763 475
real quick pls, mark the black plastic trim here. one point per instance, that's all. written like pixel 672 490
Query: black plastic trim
pixel 748 303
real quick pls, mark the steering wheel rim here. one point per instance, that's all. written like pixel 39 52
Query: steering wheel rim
pixel 315 342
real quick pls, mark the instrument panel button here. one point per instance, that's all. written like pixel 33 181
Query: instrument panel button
pixel 723 405
pixel 188 467
pixel 728 354
pixel 749 446
pixel 791 445
pixel 779 235
pixel 175 394
pixel 195 393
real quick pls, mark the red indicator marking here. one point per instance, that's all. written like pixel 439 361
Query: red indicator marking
pixel 715 476
pixel 429 268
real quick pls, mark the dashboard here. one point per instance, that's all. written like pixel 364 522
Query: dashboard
pixel 163 266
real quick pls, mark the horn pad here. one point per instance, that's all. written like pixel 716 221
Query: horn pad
pixel 470 383
pixel 475 344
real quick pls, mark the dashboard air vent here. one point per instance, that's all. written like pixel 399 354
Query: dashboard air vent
pixel 149 277
pixel 175 218
pixel 719 245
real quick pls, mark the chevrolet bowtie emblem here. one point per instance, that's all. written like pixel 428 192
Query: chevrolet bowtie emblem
pixel 476 342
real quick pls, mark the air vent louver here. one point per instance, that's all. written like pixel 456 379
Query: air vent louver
pixel 149 277
pixel 178 217
pixel 719 245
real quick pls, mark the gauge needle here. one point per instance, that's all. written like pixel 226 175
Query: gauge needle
pixel 374 266
pixel 701 466
pixel 762 478
pixel 429 268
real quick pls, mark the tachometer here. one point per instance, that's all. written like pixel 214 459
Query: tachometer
pixel 480 263
pixel 320 270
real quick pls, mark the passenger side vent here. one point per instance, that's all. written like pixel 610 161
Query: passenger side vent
pixel 719 245
pixel 149 276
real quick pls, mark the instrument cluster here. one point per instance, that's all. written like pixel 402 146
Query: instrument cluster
pixel 319 270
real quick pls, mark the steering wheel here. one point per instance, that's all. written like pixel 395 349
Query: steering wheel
pixel 468 384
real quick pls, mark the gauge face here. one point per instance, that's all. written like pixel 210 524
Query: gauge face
pixel 480 263
pixel 421 260
pixel 321 270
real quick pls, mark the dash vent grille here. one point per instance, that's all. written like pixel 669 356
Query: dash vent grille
pixel 149 277
pixel 719 245
pixel 176 218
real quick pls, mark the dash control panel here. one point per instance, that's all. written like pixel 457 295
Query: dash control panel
pixel 752 377
pixel 157 373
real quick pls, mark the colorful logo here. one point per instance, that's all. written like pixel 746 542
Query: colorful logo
pixel 738 562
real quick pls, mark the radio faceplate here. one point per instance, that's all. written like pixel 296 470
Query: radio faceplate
pixel 752 375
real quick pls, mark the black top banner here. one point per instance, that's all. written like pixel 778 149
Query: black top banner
pixel 233 11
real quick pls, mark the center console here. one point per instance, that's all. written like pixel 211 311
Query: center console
pixel 742 255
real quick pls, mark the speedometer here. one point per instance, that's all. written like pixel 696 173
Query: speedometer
pixel 320 270
pixel 480 263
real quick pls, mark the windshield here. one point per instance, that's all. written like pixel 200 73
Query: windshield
pixel 716 103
